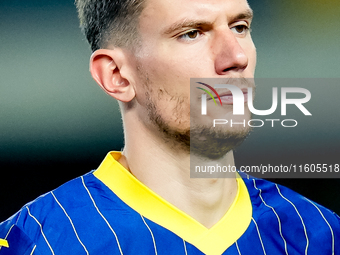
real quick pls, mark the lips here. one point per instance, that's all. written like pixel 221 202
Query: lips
pixel 227 97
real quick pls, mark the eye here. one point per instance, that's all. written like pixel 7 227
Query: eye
pixel 240 29
pixel 190 35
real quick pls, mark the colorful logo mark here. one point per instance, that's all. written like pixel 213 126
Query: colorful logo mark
pixel 212 89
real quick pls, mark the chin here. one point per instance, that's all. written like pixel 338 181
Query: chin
pixel 213 143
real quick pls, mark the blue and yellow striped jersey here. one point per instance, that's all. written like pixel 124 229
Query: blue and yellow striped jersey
pixel 109 211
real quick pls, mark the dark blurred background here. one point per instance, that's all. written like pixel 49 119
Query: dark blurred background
pixel 57 124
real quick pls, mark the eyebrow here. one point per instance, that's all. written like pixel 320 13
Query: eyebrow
pixel 185 23
pixel 248 14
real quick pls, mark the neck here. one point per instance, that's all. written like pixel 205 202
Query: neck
pixel 167 172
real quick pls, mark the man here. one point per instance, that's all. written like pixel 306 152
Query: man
pixel 142 201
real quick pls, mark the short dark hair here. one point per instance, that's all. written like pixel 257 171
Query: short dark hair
pixel 109 21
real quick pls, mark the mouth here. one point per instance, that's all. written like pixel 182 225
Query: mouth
pixel 227 97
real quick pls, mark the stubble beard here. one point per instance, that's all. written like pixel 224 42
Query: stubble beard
pixel 203 141
pixel 212 143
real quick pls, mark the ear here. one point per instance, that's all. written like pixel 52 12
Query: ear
pixel 106 69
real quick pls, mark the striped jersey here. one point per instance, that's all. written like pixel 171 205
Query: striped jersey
pixel 108 211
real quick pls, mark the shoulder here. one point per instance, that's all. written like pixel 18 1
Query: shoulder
pixel 42 222
pixel 296 218
pixel 268 196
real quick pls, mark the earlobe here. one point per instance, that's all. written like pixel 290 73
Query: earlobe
pixel 105 66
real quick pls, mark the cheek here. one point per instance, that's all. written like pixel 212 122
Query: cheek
pixel 169 74
pixel 170 92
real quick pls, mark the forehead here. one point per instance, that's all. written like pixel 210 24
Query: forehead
pixel 164 12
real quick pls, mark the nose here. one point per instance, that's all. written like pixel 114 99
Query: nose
pixel 229 55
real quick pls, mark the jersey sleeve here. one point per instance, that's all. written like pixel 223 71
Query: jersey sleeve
pixel 13 240
pixel 16 242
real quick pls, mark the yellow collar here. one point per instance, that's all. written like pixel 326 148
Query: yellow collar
pixel 146 202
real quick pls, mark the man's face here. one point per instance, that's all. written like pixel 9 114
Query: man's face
pixel 183 39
